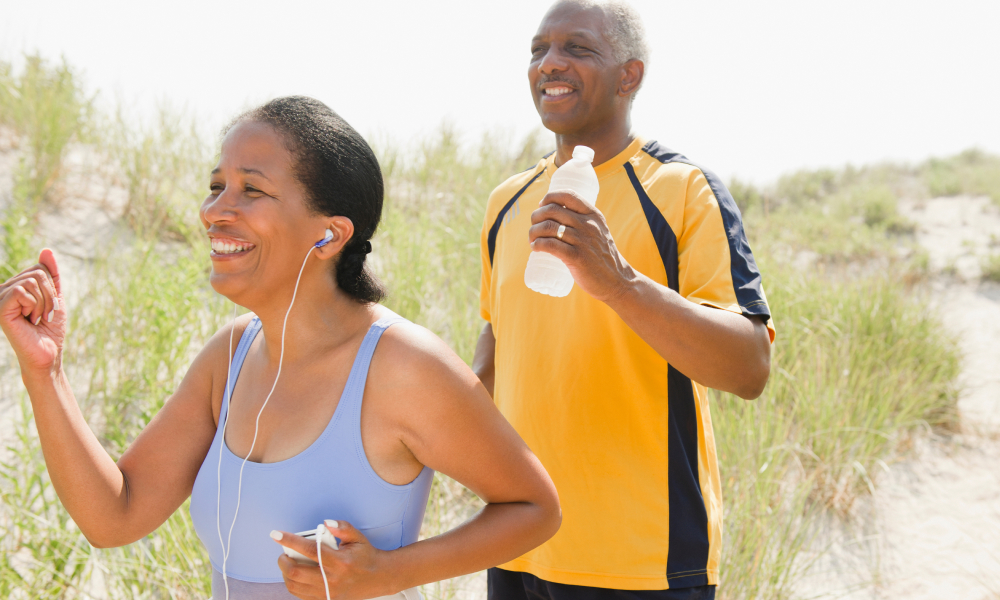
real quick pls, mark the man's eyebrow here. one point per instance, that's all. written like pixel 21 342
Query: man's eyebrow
pixel 246 170
pixel 582 33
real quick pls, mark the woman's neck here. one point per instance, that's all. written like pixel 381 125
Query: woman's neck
pixel 322 318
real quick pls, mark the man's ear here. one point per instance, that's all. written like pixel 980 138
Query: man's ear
pixel 632 74
pixel 342 229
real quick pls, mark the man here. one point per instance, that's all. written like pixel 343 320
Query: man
pixel 607 385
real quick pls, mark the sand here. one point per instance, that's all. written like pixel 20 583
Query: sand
pixel 932 528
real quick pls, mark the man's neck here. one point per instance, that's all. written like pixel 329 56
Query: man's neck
pixel 606 142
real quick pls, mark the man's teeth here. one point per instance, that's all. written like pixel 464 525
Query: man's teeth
pixel 559 91
pixel 220 247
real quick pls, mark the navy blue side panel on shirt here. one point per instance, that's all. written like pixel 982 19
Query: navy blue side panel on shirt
pixel 666 241
pixel 491 241
pixel 743 267
pixel 687 553
pixel 514 585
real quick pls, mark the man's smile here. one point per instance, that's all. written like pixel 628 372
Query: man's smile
pixel 559 91
pixel 556 92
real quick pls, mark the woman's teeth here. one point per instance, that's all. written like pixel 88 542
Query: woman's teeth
pixel 221 247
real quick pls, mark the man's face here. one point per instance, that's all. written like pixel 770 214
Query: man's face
pixel 574 77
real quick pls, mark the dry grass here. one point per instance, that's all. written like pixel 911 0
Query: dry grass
pixel 858 366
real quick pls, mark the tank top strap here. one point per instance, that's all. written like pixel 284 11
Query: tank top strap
pixel 355 389
pixel 246 340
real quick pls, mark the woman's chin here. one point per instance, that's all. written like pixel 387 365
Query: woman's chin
pixel 228 285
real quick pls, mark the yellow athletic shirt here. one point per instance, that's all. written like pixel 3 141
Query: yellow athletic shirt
pixel 626 438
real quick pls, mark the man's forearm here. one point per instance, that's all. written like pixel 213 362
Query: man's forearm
pixel 716 348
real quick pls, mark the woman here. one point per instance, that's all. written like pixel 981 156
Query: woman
pixel 340 410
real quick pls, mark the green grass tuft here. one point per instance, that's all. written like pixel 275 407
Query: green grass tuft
pixel 859 365
pixel 990 267
pixel 973 172
pixel 43 109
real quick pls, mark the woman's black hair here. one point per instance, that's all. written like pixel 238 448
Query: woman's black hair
pixel 341 177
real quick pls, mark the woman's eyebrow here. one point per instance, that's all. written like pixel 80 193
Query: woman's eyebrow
pixel 246 171
pixel 249 171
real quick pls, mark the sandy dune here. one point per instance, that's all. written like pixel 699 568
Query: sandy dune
pixel 932 529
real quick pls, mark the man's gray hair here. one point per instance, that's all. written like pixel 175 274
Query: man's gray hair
pixel 625 30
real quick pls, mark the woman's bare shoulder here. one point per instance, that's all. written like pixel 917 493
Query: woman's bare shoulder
pixel 206 379
pixel 214 355
pixel 415 354
pixel 425 393
pixel 418 371
pixel 228 335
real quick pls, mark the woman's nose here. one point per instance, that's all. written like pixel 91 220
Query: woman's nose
pixel 219 208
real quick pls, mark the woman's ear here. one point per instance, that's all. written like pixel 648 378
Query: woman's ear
pixel 341 229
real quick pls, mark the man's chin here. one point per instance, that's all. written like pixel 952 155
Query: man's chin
pixel 561 124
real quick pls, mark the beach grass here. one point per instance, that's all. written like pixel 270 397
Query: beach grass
pixel 860 363
pixel 989 267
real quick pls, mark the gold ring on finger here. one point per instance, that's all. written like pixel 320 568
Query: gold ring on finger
pixel 560 231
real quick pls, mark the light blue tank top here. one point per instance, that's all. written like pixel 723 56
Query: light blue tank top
pixel 331 479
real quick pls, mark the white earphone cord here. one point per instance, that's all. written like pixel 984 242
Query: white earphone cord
pixel 218 473
pixel 281 356
pixel 319 559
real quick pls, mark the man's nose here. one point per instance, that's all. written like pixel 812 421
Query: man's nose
pixel 553 62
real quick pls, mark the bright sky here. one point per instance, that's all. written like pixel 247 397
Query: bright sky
pixel 752 89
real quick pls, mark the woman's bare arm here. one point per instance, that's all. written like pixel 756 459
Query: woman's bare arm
pixel 113 504
pixel 450 424
pixel 484 360
pixel 117 504
pixel 160 466
pixel 453 427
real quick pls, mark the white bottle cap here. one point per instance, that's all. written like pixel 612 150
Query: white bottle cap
pixel 583 153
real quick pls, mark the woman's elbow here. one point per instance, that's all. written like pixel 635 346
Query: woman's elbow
pixel 549 524
pixel 106 539
pixel 550 517
pixel 100 541
pixel 554 518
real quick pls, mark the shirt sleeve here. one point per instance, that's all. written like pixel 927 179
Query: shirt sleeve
pixel 715 265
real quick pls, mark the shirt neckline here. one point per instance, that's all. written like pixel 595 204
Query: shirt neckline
pixel 609 166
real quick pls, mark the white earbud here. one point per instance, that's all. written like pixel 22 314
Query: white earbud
pixel 326 239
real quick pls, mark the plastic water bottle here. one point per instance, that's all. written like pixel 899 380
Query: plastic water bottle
pixel 545 273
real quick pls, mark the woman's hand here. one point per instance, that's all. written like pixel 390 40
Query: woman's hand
pixel 353 572
pixel 33 315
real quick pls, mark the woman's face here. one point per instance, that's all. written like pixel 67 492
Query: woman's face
pixel 256 216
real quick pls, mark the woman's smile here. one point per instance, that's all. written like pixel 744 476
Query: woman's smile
pixel 226 248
